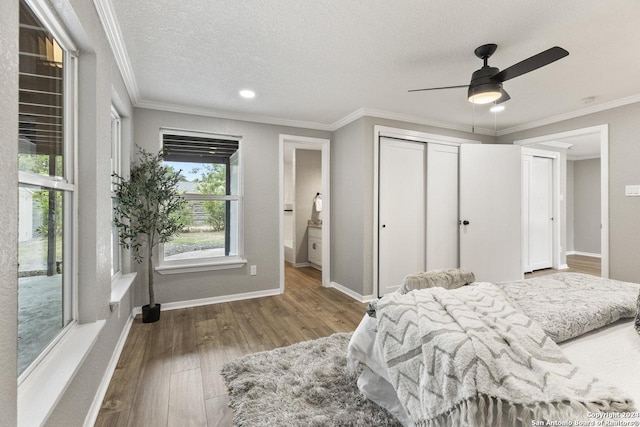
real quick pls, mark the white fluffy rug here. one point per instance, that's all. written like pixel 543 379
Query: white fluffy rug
pixel 305 384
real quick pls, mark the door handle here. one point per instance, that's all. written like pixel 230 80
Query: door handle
pixel 384 225
pixel 465 222
pixel 314 246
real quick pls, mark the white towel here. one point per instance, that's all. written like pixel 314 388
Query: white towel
pixel 318 203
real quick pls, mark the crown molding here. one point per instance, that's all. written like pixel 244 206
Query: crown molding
pixel 381 114
pixel 207 112
pixel 578 113
pixel 114 35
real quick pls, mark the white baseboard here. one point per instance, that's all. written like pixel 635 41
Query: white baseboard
pixel 302 264
pixel 92 415
pixel 563 267
pixel 213 300
pixel 353 294
pixel 589 254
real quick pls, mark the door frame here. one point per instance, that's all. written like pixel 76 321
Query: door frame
pixel 603 132
pixel 409 135
pixel 323 145
pixel 556 208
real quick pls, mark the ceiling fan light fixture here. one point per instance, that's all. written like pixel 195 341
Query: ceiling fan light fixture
pixel 485 94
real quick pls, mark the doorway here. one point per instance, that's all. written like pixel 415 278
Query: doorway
pixel 584 195
pixel 304 202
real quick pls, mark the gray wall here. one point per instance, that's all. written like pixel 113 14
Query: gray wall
pixel 308 183
pixel 587 206
pixel 98 77
pixel 352 176
pixel 261 207
pixel 569 204
pixel 9 213
pixel 624 157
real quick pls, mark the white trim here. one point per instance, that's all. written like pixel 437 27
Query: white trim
pixel 351 293
pixel 301 264
pixel 620 102
pixel 94 409
pixel 208 112
pixel 385 131
pixel 114 35
pixel 324 145
pixel 120 285
pixel 41 391
pixel 49 182
pixel 585 157
pixel 603 131
pixel 563 267
pixel 52 23
pixel 381 114
pixel 589 254
pixel 213 300
pixel 189 266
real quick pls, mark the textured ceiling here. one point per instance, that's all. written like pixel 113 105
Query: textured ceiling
pixel 322 60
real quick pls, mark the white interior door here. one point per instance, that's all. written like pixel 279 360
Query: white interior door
pixel 442 206
pixel 401 224
pixel 539 227
pixel 490 211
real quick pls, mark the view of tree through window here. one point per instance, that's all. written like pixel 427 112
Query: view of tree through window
pixel 209 182
pixel 45 191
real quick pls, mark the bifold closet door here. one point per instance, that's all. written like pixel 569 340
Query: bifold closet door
pixel 442 206
pixel 401 220
pixel 490 211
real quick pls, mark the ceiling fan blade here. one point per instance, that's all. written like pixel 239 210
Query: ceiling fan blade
pixel 437 88
pixel 504 98
pixel 530 64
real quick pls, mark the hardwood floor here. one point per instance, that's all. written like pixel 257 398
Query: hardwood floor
pixel 168 372
pixel 576 263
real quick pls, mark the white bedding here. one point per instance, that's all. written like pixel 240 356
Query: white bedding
pixel 611 353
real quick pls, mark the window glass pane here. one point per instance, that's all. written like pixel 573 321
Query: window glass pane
pixel 206 233
pixel 115 241
pixel 41 101
pixel 40 277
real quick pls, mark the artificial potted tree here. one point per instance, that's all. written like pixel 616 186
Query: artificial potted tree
pixel 148 212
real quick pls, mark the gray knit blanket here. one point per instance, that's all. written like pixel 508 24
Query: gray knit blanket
pixel 468 357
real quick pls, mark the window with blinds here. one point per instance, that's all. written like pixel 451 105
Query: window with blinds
pixel 46 189
pixel 210 172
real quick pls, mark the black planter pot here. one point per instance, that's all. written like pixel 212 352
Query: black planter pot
pixel 150 315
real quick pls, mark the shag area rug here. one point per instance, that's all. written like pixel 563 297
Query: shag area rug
pixel 305 384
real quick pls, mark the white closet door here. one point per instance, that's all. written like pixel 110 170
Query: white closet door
pixel 401 212
pixel 490 202
pixel 442 206
pixel 540 227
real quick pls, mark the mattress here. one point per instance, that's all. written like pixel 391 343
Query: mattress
pixel 611 353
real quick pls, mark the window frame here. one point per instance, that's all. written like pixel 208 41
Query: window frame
pixel 66 183
pixel 116 167
pixel 208 263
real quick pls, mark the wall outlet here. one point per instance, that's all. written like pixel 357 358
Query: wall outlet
pixel 253 270
pixel 632 190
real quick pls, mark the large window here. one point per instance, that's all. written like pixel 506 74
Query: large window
pixel 210 171
pixel 46 189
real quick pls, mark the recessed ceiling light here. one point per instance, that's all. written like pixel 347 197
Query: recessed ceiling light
pixel 496 108
pixel 246 93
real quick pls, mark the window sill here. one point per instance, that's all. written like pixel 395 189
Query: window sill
pixel 41 391
pixel 194 267
pixel 120 286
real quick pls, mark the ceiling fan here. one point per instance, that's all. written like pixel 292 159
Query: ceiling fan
pixel 486 83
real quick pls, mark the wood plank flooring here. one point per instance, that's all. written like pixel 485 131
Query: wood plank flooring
pixel 169 371
pixel 576 263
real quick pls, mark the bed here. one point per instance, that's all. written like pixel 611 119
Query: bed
pixel 580 327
